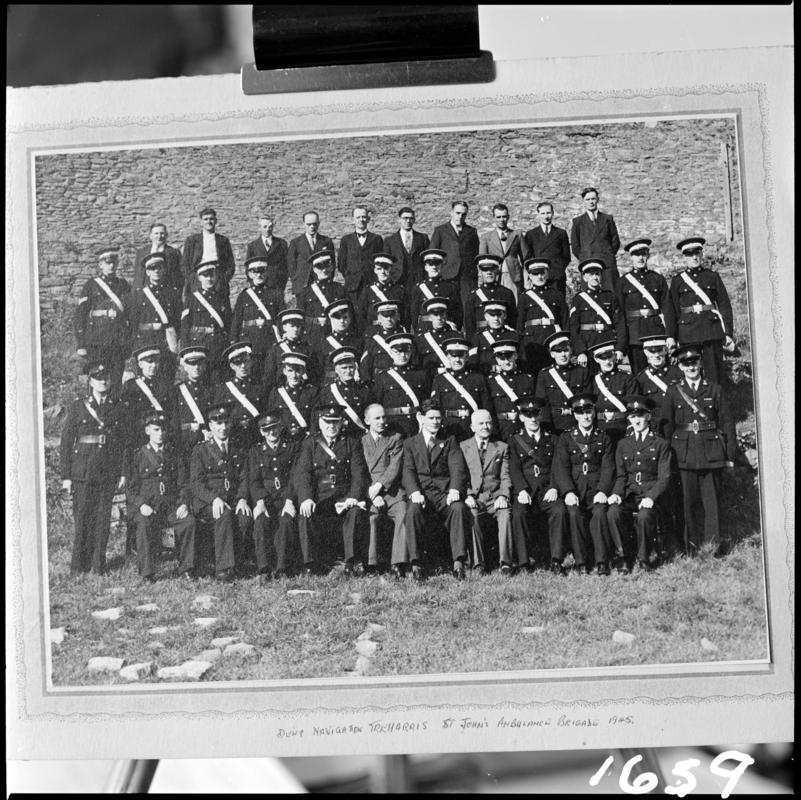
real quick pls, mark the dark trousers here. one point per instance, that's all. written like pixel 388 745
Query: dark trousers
pixel 377 552
pixel 274 540
pixel 420 522
pixel 321 533
pixel 467 284
pixel 148 540
pixel 620 518
pixel 91 511
pixel 700 486
pixel 712 360
pixel 610 279
pixel 529 525
pixel 598 536
pixel 484 514
pixel 226 538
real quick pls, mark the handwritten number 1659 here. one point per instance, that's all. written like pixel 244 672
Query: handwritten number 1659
pixel 647 781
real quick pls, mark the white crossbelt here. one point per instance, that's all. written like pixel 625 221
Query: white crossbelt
pixel 642 290
pixel 191 403
pixel 157 307
pixel 658 382
pixel 338 396
pixel 210 308
pixel 94 414
pixel 378 293
pixel 703 297
pixel 108 290
pixel 597 308
pixel 426 291
pixel 440 353
pixel 462 391
pixel 398 378
pixel 604 389
pixel 508 390
pixel 546 309
pixel 379 340
pixel 243 400
pixel 320 296
pixel 293 409
pixel 146 391
pixel 560 382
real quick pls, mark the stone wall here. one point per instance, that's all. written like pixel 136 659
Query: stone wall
pixel 665 180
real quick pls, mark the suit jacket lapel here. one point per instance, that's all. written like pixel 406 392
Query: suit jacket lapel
pixel 436 450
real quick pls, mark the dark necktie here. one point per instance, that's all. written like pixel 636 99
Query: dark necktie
pixel 482 452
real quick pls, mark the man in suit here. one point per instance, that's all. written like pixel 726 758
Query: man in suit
pixel 488 491
pixel 356 252
pixel 549 242
pixel 406 246
pixel 460 243
pixel 594 235
pixel 383 454
pixel 208 245
pixel 274 250
pixel 173 274
pixel 300 251
pixel 509 245
pixel 435 479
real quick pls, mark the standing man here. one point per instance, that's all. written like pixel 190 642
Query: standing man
pixel 332 484
pixel 653 381
pixel 406 246
pixel 341 333
pixel 642 478
pixel 273 250
pixel 594 235
pixel 644 298
pixel 435 479
pixel 294 397
pixel 191 399
pixel 700 428
pixel 700 310
pixel 611 387
pixel 460 243
pixel 481 352
pixel 300 250
pixel 550 243
pixel 356 253
pixel 101 317
pixel 509 246
pixel 173 274
pixel 383 454
pixel 322 290
pixel 292 340
pixel 242 393
pixel 381 289
pixel 507 384
pixel 434 286
pixel 430 343
pixel 92 444
pixel 346 392
pixel 488 491
pixel 489 267
pixel 377 355
pixel 208 245
pixel 558 384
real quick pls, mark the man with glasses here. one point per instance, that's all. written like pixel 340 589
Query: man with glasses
pixel 700 310
pixel 700 429
pixel 558 384
pixel 642 478
pixel 611 387
pixel 507 384
pixel 489 289
pixel 433 286
pixel 300 250
pixel 406 246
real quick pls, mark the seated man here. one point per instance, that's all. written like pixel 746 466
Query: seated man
pixel 332 482
pixel 217 477
pixel 584 471
pixel 158 496
pixel 435 480
pixel 536 499
pixel 642 476
pixel 384 456
pixel 488 491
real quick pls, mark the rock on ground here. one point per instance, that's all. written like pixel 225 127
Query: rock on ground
pixel 155 646
pixel 205 622
pixel 300 592
pixel 104 664
pixel 108 613
pixel 204 601
pixel 136 672
pixel 534 629
pixel 57 635
pixel 188 671
pixel 147 607
pixel 116 591
pixel 621 637
pixel 709 646
pixel 223 641
pixel 240 649
pixel 209 655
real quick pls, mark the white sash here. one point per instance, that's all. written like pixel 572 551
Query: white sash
pixel 508 390
pixel 546 309
pixel 149 394
pixel 560 382
pixel 462 391
pixel 257 302
pixel 642 290
pixel 378 293
pixel 481 295
pixel 398 378
pixel 658 382
pixel 604 389
pixel 324 301
pixel 440 353
pixel 598 310
pixel 379 340
pixel 328 451
pixel 293 409
pixel 190 402
pixel 243 400
pixel 346 405
pixel 157 307
pixel 210 308
pixel 703 297
pixel 113 297
pixel 426 291
pixel 97 419
pixel 334 342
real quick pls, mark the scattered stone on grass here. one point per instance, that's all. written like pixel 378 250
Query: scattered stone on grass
pixel 240 649
pixel 104 664
pixel 116 591
pixel 204 602
pixel 108 613
pixel 621 637
pixel 205 622
pixel 367 648
pixel 155 646
pixel 534 629
pixel 355 597
pixel 364 666
pixel 122 633
pixel 136 672
pixel 209 655
pixel 223 641
pixel 147 607
pixel 57 635
pixel 710 646
pixel 300 592
pixel 188 671
pixel 158 631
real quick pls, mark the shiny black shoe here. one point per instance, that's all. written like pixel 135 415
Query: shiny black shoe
pixel 602 568
pixel 557 568
pixel 478 570
pixel 459 571
pixel 225 576
pixel 397 572
pixel 507 571
pixel 621 565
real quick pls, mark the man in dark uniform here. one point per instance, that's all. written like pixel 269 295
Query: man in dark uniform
pixel 302 247
pixel 481 355
pixel 208 246
pixel 292 340
pixel 536 499
pixel 458 392
pixel 558 384
pixel 356 253
pixel 342 333
pixel 380 290
pixel 206 319
pixel 541 312
pixel 254 316
pixel 700 428
pixel 401 390
pixel 507 384
pixel 332 483
pixel 191 399
pixel 700 309
pixel 547 242
pixel 642 478
pixel 321 291
pixel 489 288
pixel 653 381
pixel 433 286
pixel 272 497
pixel 158 498
pixel 91 467
pixel 584 473
pixel 154 314
pixel 611 387
pixel 219 488
pixel 346 392
pixel 429 343
pixel 595 315
pixel 101 318
pixel 644 298
pixel 377 356
pixel 594 235
pixel 294 398
pixel 243 392
pixel 274 252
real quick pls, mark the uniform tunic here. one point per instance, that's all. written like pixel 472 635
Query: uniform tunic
pixel 188 429
pixel 430 349
pixel 251 323
pixel 481 355
pixel 611 415
pixel 273 374
pixel 242 393
pixel 375 292
pixel 200 327
pixel 323 343
pixel 474 321
pixel 425 290
pixel 294 404
pixel 149 327
pixel 588 327
pixel 456 408
pixel 534 325
pixel 521 384
pixel 557 413
pixel 313 307
pixel 401 409
pixel 642 317
pixel 376 356
pixel 352 395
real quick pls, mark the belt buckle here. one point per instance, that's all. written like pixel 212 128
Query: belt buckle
pixel 585 468
pixel 638 478
pixel 260 322
pixel 695 427
pixel 599 326
pixel 162 488
pixel 277 483
pixel 112 313
pixel 536 471
pixel 101 439
pixel 463 413
pixel 609 415
pixel 227 484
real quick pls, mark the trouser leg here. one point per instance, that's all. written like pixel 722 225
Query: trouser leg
pixel 400 550
pixel 308 550
pixel 81 550
pixel 555 513
pixel 147 543
pixel 617 518
pixel 283 542
pixel 503 519
pixel 457 520
pixel 579 538
pixel 353 534
pixel 376 523
pixel 185 539
pixel 521 532
pixel 101 525
pixel 710 480
pixel 263 527
pixel 224 541
pixel 646 532
pixel 690 493
pixel 477 550
pixel 415 525
pixel 599 531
